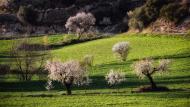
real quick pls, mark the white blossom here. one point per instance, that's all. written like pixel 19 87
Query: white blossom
pixel 147 67
pixel 81 23
pixel 122 49
pixel 63 72
pixel 49 85
pixel 115 77
pixel 163 64
pixel 143 67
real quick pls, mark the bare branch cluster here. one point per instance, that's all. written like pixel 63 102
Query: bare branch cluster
pixel 27 58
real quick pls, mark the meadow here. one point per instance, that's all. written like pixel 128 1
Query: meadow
pixel 15 93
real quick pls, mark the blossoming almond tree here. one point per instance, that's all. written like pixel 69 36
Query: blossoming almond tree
pixel 146 68
pixel 68 73
pixel 121 49
pixel 81 23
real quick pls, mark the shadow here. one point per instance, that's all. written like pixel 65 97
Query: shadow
pixel 73 42
pixel 98 83
pixel 184 54
pixel 166 94
pixel 40 95
pixel 5 55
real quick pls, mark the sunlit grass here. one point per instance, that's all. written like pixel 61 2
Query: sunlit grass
pixel 33 94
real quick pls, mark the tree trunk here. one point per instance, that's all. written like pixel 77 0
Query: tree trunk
pixel 68 88
pixel 153 84
pixel 79 36
pixel 68 85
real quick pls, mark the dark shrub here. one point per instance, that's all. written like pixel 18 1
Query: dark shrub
pixel 27 15
pixel 13 5
pixel 102 10
pixel 174 12
pixel 146 14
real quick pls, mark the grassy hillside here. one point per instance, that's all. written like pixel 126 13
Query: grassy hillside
pixel 98 93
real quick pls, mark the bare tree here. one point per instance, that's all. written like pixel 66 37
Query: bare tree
pixel 121 49
pixel 28 58
pixel 146 68
pixel 81 23
pixel 68 73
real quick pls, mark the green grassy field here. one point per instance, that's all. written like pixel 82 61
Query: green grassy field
pixel 14 93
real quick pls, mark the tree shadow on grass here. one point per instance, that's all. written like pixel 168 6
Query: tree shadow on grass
pixel 184 54
pixel 98 83
pixel 5 57
pixel 41 95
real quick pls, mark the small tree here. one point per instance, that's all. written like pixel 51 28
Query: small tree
pixel 28 58
pixel 81 23
pixel 121 49
pixel 88 60
pixel 115 77
pixel 68 73
pixel 146 68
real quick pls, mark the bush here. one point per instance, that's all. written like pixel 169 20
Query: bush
pixel 27 15
pixel 142 17
pixel 88 60
pixel 121 49
pixel 115 77
pixel 146 14
pixel 174 12
pixel 136 24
